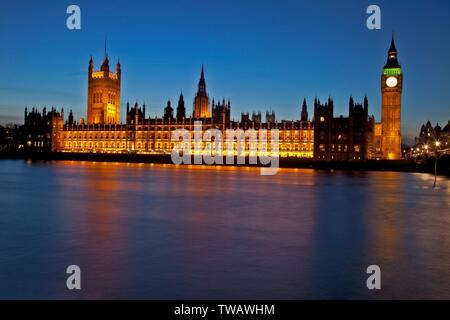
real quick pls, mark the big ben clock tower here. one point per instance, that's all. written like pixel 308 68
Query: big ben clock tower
pixel 391 91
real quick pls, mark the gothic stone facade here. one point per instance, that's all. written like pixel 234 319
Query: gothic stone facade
pixel 356 137
pixel 142 134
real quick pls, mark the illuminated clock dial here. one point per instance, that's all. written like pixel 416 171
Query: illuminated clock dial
pixel 391 82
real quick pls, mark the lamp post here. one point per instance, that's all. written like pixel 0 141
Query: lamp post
pixel 437 144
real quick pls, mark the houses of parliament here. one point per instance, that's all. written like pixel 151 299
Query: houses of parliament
pixel 324 137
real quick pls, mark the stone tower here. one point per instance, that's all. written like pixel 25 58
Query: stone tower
pixel 391 91
pixel 103 94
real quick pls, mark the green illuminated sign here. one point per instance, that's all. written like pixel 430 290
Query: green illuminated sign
pixel 392 72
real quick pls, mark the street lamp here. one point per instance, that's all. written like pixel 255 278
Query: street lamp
pixel 437 144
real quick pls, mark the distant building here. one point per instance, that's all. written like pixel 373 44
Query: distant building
pixel 43 131
pixel 341 138
pixel 428 134
pixel 11 137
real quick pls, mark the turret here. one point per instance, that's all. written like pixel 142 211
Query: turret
pixel 351 104
pixel 304 113
pixel 70 120
pixel 105 67
pixel 168 111
pixel 136 113
pixel 91 67
pixel 118 69
pixel 181 110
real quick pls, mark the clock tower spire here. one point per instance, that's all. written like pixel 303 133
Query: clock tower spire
pixel 392 61
pixel 391 92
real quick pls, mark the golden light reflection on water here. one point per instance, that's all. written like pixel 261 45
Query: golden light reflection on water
pixel 100 193
pixel 183 229
pixel 386 230
pixel 410 223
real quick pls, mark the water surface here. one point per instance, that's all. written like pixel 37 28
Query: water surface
pixel 164 232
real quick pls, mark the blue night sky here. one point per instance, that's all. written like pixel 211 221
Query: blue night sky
pixel 260 54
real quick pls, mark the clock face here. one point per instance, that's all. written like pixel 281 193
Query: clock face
pixel 391 82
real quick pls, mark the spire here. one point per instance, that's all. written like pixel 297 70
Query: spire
pixel 392 61
pixel 392 48
pixel 181 111
pixel 202 82
pixel 105 64
pixel 91 66
pixel 106 53
pixel 181 99
pixel 304 113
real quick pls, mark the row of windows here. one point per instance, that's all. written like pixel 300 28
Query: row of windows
pixel 111 98
pixel 158 137
pixel 340 148
pixel 309 132
pixel 98 98
pixel 167 147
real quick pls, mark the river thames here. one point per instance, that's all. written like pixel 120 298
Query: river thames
pixel 164 232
